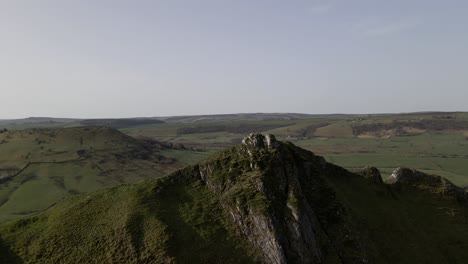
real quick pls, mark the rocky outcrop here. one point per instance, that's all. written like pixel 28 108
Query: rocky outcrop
pixel 404 177
pixel 411 177
pixel 259 141
pixel 371 173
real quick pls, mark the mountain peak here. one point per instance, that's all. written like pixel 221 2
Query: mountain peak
pixel 274 194
pixel 260 141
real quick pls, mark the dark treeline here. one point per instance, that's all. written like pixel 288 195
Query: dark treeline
pixel 429 125
pixel 235 129
pixel 120 123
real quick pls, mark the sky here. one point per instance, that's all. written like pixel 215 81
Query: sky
pixel 134 58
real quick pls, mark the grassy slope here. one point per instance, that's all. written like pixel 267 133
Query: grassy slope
pixel 128 224
pixel 53 168
pixel 406 226
pixel 178 219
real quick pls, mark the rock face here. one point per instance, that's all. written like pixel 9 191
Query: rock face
pixel 260 141
pixel 372 173
pixel 264 195
pixel 411 177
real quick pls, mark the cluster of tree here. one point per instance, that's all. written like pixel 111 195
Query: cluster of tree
pixel 235 129
pixel 201 129
pixel 428 125
pixel 9 171
pixel 151 143
pixel 143 151
pixel 3 130
pixel 444 117
pixel 120 123
pixel 39 141
pixel 310 130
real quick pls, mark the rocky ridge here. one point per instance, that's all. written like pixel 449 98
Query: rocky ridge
pixel 440 186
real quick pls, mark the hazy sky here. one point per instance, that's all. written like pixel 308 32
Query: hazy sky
pixel 111 58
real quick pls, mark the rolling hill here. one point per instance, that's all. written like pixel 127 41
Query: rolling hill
pixel 263 201
pixel 38 167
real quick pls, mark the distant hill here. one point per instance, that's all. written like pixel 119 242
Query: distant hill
pixel 47 122
pixel 239 117
pixel 128 122
pixel 263 201
pixel 120 122
pixel 35 120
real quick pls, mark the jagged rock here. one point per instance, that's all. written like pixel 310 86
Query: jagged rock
pixel 434 184
pixel 372 173
pixel 260 141
pixel 411 176
pixel 257 144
